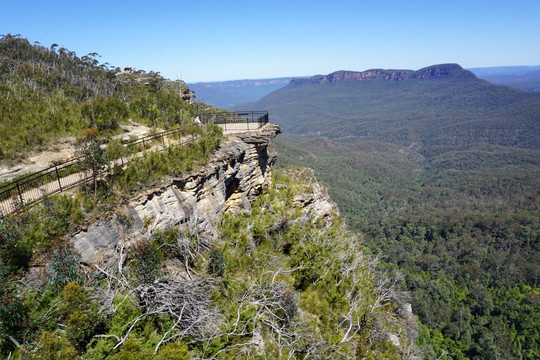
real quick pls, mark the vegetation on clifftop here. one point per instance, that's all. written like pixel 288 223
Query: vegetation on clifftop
pixel 276 283
pixel 48 93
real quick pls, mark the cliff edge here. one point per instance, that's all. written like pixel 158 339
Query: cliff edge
pixel 235 175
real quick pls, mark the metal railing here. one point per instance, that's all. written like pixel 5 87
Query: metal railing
pixel 32 188
pixel 229 121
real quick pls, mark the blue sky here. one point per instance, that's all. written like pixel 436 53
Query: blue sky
pixel 205 40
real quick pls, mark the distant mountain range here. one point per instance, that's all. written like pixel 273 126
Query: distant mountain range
pixel 437 106
pixel 525 78
pixel 432 72
pixel 227 94
pixel 235 94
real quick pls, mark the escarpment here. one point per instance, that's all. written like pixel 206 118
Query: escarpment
pixel 261 262
pixel 231 180
pixel 442 71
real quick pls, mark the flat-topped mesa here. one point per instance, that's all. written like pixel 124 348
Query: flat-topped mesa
pixel 431 72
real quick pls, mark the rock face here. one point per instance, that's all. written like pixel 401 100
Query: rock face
pixel 431 72
pixel 316 204
pixel 236 174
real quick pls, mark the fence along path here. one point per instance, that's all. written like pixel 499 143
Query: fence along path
pixel 34 187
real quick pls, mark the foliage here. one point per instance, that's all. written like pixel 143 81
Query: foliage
pixel 63 267
pixel 104 114
pixel 80 315
pixel 48 93
pixel 308 287
pixel 146 261
pixel 161 108
pixel 91 155
pixel 14 251
pixel 461 224
pixel 216 262
pixel 13 315
pixel 54 347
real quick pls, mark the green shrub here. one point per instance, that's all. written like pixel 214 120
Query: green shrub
pixel 54 347
pixel 63 267
pixel 145 261
pixel 104 114
pixel 173 351
pixel 13 314
pixel 216 263
pixel 132 349
pixel 15 250
pixel 79 314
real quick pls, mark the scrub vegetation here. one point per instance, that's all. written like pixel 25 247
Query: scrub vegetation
pixel 276 283
pixel 49 93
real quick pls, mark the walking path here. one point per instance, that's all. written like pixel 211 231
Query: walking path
pixel 55 183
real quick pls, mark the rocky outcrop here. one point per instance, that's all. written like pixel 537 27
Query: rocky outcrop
pixel 316 203
pixel 430 72
pixel 235 175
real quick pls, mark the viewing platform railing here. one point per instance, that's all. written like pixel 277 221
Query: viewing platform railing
pixel 236 121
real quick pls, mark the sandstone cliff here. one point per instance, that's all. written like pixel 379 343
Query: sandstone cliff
pixel 263 264
pixel 232 179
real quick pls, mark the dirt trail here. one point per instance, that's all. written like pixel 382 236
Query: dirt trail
pixel 61 150
pixel 38 192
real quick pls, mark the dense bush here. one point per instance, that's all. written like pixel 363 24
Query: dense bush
pixel 48 93
pixel 146 261
pixel 63 264
pixel 104 114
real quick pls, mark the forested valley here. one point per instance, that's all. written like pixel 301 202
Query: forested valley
pixel 456 211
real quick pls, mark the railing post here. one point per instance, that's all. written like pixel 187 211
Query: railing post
pixel 20 195
pixel 58 177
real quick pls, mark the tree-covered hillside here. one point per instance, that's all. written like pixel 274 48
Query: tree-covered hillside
pixel 463 227
pixel 425 113
pixel 47 93
pixel 455 209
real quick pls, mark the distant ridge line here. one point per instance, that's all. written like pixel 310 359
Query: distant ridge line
pixel 441 71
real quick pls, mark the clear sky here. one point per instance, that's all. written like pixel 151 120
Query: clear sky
pixel 206 40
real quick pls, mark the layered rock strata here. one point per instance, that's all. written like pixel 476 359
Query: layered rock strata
pixel 235 175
